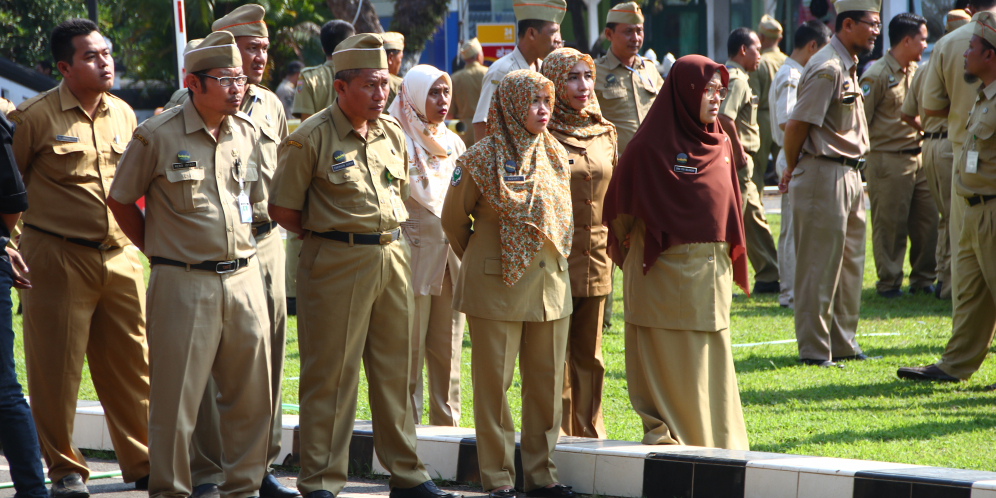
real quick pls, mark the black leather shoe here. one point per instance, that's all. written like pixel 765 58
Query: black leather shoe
pixel 555 491
pixel 891 294
pixel 292 306
pixel 271 488
pixel 427 489
pixel 819 363
pixel 321 493
pixel 929 372
pixel 502 493
pixel 142 484
pixel 937 289
pixel 70 486
pixel 208 490
pixel 930 289
pixel 766 288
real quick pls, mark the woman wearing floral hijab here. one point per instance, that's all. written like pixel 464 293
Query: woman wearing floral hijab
pixel 437 334
pixel 513 285
pixel 675 228
pixel 590 141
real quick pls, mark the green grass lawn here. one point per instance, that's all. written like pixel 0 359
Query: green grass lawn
pixel 862 411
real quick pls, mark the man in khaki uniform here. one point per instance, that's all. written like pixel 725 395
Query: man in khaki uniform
pixel 394 45
pixel 266 111
pixel 342 182
pixel 738 116
pixel 196 166
pixel 467 87
pixel 88 294
pixel 828 207
pixel 901 205
pixel 975 187
pixel 769 32
pixel 538 23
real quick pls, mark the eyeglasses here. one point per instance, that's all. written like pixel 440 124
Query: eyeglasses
pixel 721 92
pixel 226 81
pixel 877 26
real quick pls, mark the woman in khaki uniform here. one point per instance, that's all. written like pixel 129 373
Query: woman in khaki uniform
pixel 513 187
pixel 437 337
pixel 675 228
pixel 590 141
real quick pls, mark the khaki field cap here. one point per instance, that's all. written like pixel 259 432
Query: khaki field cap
pixel 858 6
pixel 246 20
pixel 956 19
pixel 470 48
pixel 985 27
pixel 625 13
pixel 393 40
pixel 216 50
pixel 363 51
pixel 769 27
pixel 540 10
pixel 192 44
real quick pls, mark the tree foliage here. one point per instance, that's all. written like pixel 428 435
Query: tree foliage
pixel 26 24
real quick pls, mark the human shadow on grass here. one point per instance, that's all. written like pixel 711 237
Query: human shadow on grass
pixel 878 387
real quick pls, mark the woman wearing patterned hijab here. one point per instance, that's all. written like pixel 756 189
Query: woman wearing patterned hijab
pixel 675 228
pixel 437 334
pixel 513 284
pixel 590 141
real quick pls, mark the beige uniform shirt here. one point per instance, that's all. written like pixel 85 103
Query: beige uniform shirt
pixel 740 105
pixel 829 99
pixel 267 113
pixel 6 106
pixel 495 73
pixel 761 80
pixel 982 139
pixel 68 161
pixel 394 83
pixel 913 104
pixel 190 182
pixel 466 93
pixel 285 92
pixel 945 86
pixel 314 89
pixel 884 87
pixel 592 162
pixel 625 94
pixel 341 181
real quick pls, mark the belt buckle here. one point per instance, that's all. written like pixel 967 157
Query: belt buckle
pixel 386 238
pixel 860 164
pixel 103 247
pixel 227 266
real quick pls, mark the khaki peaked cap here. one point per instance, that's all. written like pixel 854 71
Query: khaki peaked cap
pixel 985 27
pixel 363 51
pixel 625 13
pixel 470 48
pixel 393 40
pixel 216 50
pixel 769 27
pixel 246 20
pixel 858 6
pixel 540 10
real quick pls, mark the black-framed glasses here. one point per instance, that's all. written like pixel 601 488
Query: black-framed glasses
pixel 226 81
pixel 721 92
pixel 877 26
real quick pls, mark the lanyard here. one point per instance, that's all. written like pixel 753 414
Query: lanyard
pixel 646 81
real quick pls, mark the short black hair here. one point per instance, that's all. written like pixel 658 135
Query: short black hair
pixel 62 38
pixel 854 15
pixel 986 45
pixel 978 5
pixel 738 38
pixel 333 33
pixel 903 25
pixel 347 75
pixel 536 24
pixel 392 52
pixel 611 26
pixel 202 77
pixel 294 67
pixel 812 30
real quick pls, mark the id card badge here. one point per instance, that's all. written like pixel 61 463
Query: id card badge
pixel 245 208
pixel 972 161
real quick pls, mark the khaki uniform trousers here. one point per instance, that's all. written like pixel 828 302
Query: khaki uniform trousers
pixel 828 221
pixel 290 268
pixel 541 347
pixel 760 244
pixel 768 148
pixel 956 222
pixel 786 255
pixel 584 374
pixel 86 303
pixel 901 207
pixel 975 314
pixel 353 303
pixel 206 445
pixel 937 163
pixel 203 326
pixel 437 344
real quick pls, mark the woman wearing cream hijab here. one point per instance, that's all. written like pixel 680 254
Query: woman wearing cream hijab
pixel 437 337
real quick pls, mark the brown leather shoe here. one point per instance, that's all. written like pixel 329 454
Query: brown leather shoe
pixel 929 372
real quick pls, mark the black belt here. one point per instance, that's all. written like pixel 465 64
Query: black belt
pixel 371 239
pixel 979 199
pixel 263 229
pixel 940 134
pixel 82 242
pixel 858 164
pixel 912 152
pixel 215 266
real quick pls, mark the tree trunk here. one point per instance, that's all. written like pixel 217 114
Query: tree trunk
pixel 368 22
pixel 577 8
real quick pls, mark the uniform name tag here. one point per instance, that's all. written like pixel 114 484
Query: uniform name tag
pixel 185 165
pixel 516 178
pixel 342 166
pixel 66 138
pixel 685 169
pixel 972 161
pixel 245 208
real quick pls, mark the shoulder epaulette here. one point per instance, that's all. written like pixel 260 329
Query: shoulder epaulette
pixel 24 106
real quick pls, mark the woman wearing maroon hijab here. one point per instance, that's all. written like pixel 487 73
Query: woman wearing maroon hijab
pixel 675 228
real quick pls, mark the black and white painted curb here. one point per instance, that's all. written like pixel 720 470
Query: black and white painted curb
pixel 628 469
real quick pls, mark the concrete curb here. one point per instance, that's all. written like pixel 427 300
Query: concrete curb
pixel 628 469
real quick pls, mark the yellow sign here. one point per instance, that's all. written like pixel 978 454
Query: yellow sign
pixel 496 34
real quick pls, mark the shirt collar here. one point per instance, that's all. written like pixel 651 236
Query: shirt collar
pixel 734 65
pixel 612 61
pixel 193 122
pixel 521 59
pixel 793 63
pixel 343 126
pixel 771 49
pixel 894 64
pixel 846 57
pixel 989 90
pixel 69 101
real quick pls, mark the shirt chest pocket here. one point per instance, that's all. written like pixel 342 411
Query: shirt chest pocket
pixel 982 130
pixel 347 188
pixel 753 109
pixel 184 189
pixel 615 91
pixel 72 161
pixel 847 109
pixel 268 142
